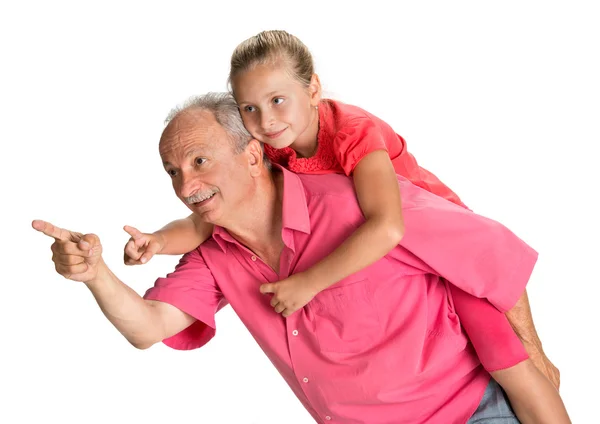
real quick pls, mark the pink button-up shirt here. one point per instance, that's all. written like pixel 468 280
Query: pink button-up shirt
pixel 381 346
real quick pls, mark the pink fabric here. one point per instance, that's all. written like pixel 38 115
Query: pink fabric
pixel 382 346
pixel 489 331
pixel 346 135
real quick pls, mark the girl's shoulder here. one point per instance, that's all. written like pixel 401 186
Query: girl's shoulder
pixel 336 115
pixel 342 112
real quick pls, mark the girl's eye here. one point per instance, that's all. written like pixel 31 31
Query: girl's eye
pixel 278 100
pixel 250 109
pixel 200 161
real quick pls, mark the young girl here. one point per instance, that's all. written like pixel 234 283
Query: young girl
pixel 279 97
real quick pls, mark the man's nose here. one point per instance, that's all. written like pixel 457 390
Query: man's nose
pixel 190 184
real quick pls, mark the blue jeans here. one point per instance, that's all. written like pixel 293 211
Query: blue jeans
pixel 494 407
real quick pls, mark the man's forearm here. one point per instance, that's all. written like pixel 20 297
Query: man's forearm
pixel 125 309
pixel 522 322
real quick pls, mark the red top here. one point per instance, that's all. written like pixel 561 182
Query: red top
pixel 346 135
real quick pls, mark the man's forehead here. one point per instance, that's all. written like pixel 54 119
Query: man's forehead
pixel 197 128
pixel 197 121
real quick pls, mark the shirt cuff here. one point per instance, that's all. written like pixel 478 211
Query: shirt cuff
pixel 198 333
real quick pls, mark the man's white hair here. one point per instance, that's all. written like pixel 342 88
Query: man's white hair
pixel 226 112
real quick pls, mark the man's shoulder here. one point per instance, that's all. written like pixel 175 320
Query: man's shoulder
pixel 331 201
pixel 195 258
pixel 334 185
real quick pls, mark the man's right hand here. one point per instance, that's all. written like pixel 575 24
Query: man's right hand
pixel 141 247
pixel 76 256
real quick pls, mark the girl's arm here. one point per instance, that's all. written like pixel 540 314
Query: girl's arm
pixel 377 190
pixel 176 238
pixel 376 186
pixel 533 397
pixel 183 235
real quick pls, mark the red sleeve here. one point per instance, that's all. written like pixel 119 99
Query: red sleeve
pixel 496 343
pixel 191 288
pixel 354 140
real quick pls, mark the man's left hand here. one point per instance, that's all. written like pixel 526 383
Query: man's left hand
pixel 290 294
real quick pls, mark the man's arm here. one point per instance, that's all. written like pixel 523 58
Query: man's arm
pixel 522 322
pixel 143 322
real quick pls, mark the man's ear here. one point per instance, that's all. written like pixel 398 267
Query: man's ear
pixel 254 151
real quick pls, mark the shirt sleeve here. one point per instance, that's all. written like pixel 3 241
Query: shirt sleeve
pixel 192 289
pixel 354 140
pixel 474 253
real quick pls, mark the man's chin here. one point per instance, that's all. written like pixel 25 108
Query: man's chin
pixel 211 216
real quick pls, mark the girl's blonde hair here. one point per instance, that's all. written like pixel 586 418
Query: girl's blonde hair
pixel 273 48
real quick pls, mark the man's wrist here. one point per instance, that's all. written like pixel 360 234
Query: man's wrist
pixel 533 348
pixel 102 275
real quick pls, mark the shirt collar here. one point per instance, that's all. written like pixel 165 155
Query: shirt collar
pixel 295 210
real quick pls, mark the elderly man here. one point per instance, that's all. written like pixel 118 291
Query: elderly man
pixel 382 346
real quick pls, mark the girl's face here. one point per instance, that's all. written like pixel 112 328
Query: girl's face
pixel 276 108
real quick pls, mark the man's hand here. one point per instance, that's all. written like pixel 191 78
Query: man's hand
pixel 141 247
pixel 290 294
pixel 75 256
pixel 541 361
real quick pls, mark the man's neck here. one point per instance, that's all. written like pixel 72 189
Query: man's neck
pixel 259 224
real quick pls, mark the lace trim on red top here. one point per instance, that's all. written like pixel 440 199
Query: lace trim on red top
pixel 324 158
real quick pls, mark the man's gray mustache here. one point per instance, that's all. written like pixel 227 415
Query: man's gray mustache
pixel 198 197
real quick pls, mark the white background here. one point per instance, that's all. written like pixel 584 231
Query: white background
pixel 499 99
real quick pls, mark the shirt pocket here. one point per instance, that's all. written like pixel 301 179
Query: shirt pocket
pixel 345 317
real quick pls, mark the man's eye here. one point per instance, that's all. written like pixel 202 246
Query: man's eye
pixel 200 161
pixel 172 172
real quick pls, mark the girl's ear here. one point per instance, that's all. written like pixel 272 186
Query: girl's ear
pixel 314 90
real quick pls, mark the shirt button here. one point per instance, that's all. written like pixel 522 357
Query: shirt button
pixel 253 258
pixel 295 332
pixel 305 380
pixel 328 418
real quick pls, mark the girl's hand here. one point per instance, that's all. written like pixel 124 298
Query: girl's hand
pixel 141 247
pixel 290 294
